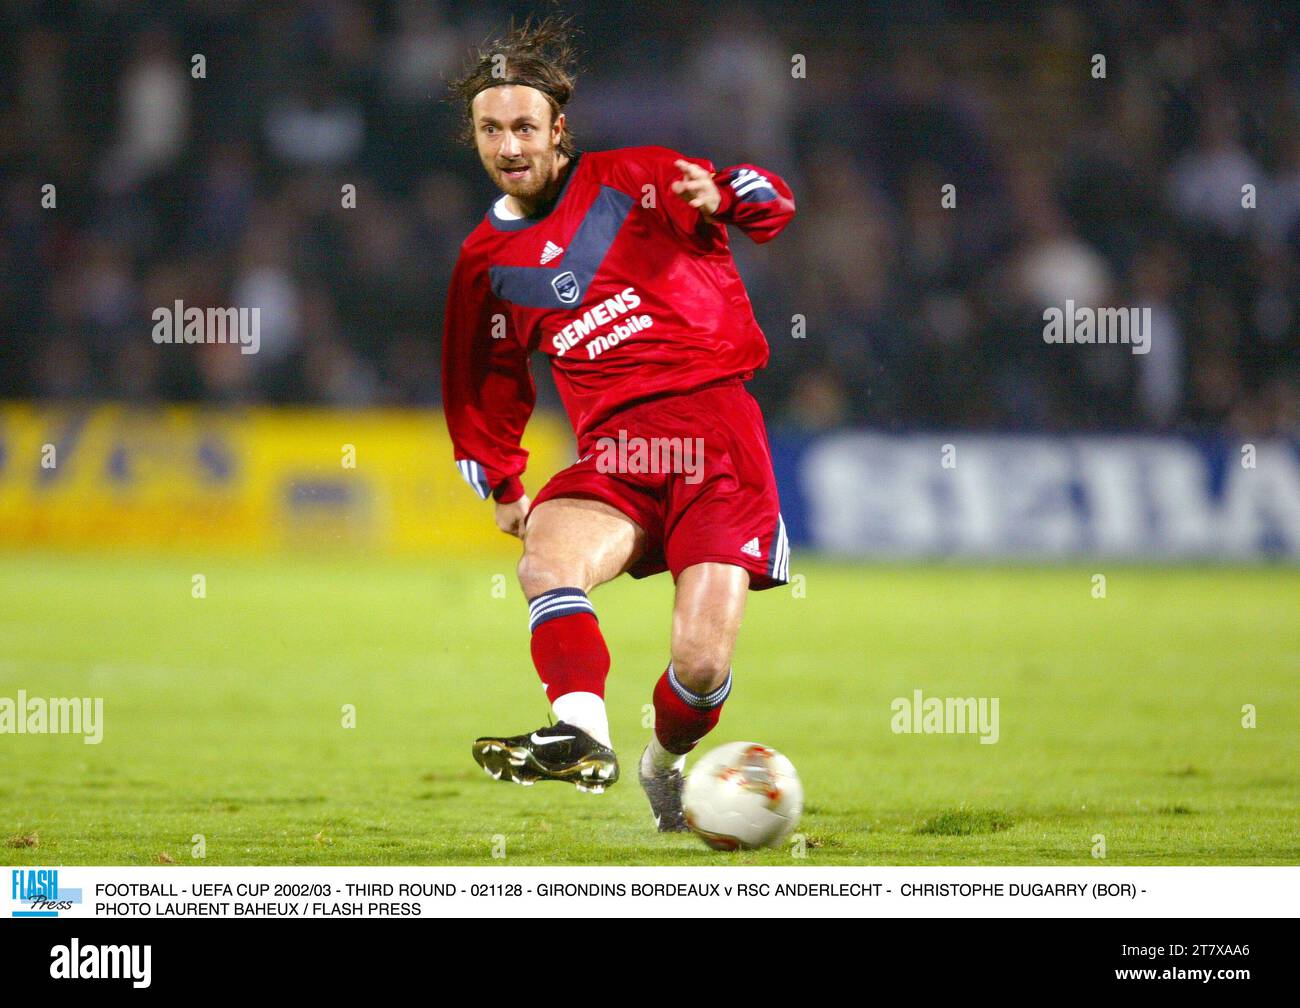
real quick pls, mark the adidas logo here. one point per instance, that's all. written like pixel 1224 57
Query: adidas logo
pixel 751 548
pixel 746 180
pixel 550 252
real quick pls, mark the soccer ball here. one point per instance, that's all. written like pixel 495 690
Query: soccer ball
pixel 742 795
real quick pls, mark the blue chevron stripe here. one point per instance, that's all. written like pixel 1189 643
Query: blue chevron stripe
pixel 565 284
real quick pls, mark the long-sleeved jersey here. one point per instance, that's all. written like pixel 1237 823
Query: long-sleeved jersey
pixel 629 290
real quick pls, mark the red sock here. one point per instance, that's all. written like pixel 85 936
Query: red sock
pixel 568 649
pixel 683 717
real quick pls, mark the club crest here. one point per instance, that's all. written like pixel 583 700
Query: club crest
pixel 566 287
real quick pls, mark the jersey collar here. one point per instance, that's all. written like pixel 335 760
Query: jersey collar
pixel 519 223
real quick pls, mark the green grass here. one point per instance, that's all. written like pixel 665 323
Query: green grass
pixel 1119 716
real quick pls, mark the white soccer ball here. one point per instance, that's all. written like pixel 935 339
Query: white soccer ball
pixel 743 795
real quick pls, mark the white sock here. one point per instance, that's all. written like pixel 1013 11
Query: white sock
pixel 585 711
pixel 657 758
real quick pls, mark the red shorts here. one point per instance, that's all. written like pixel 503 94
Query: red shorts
pixel 693 470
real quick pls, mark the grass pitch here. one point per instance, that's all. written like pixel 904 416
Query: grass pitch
pixel 223 715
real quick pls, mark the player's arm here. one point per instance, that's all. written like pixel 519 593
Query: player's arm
pixel 757 201
pixel 487 393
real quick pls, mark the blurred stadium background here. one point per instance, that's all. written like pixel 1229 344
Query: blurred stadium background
pixel 225 190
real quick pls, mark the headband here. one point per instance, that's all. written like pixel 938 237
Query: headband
pixel 516 80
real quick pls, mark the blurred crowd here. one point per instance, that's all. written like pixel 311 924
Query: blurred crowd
pixel 203 150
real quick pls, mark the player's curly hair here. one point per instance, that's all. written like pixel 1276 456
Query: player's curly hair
pixel 538 54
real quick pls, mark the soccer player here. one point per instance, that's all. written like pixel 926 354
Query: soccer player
pixel 615 265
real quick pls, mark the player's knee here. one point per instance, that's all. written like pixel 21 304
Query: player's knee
pixel 701 669
pixel 534 575
pixel 540 573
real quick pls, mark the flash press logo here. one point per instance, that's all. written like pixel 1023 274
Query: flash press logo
pixel 38 888
pixel 179 324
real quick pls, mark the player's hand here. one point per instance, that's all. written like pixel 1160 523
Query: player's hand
pixel 696 187
pixel 511 517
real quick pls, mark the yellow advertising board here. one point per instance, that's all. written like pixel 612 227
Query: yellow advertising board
pixel 248 479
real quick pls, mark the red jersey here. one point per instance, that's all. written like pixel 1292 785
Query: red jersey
pixel 626 287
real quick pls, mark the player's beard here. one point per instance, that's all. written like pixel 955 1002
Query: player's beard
pixel 532 186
